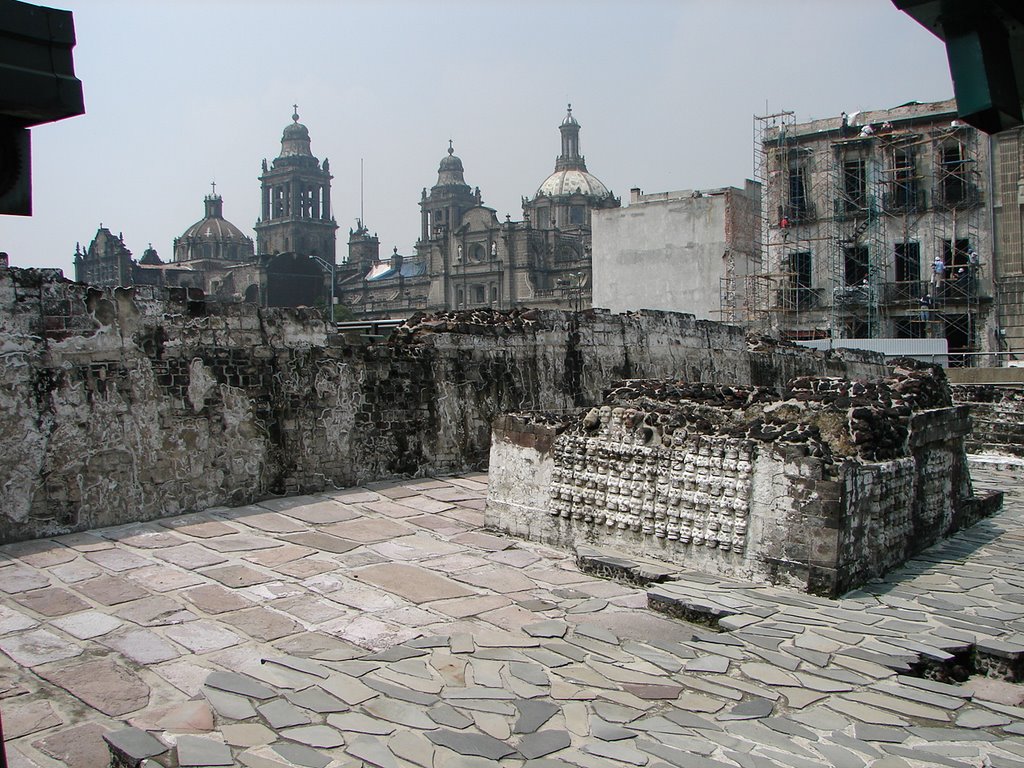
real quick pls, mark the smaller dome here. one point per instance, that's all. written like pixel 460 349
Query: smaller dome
pixel 571 182
pixel 295 138
pixel 569 119
pixel 213 237
pixel 296 131
pixel 450 170
pixel 450 162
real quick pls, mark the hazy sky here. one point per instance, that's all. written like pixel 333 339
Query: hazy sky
pixel 181 93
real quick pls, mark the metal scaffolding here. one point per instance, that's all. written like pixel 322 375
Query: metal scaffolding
pixel 852 220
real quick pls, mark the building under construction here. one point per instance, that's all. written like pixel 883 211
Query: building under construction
pixel 875 225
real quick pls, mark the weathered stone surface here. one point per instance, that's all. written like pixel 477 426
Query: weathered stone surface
pixel 191 556
pixel 158 610
pixel 315 736
pixel 134 744
pixel 476 744
pixel 11 621
pixel 111 590
pixel 187 717
pixel 300 754
pixel 608 731
pixel 399 713
pixel 281 714
pixel 444 714
pixel 87 624
pixel 243 685
pixel 549 628
pixel 79 747
pixel 748 710
pixel 411 582
pixel 202 636
pixel 980 718
pixel 262 624
pixel 238 575
pixel 372 751
pixel 142 646
pixel 229 705
pixel 51 601
pixel 37 647
pixel 29 717
pixel 247 734
pixel 542 743
pixel 102 684
pixel 412 747
pixel 20 579
pixel 201 751
pixel 533 714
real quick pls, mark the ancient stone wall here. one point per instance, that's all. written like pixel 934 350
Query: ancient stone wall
pixel 119 405
pixel 997 417
pixel 823 486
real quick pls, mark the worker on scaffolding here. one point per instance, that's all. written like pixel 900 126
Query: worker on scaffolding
pixel 973 264
pixel 926 307
pixel 938 271
pixel 960 281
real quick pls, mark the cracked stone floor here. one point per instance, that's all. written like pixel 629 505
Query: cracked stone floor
pixel 382 626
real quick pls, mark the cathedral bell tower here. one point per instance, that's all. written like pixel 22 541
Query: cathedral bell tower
pixel 296 200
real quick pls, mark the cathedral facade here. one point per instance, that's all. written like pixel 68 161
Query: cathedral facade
pixel 466 258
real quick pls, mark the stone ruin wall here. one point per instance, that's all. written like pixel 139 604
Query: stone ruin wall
pixel 130 404
pixel 997 417
pixel 824 487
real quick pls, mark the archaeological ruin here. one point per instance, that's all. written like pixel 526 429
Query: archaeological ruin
pixel 823 485
pixel 130 404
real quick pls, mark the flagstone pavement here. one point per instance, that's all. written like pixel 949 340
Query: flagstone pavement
pixel 383 626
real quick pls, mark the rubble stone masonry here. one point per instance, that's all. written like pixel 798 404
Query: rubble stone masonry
pixel 127 404
pixel 823 485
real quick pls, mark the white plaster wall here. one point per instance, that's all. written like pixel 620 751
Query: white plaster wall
pixel 664 254
pixel 519 491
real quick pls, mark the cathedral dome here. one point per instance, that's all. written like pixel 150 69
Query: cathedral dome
pixel 213 237
pixel 572 181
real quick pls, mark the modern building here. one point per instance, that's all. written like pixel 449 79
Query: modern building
pixel 678 251
pixel 466 258
pixel 876 225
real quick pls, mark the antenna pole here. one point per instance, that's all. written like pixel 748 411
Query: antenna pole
pixel 361 219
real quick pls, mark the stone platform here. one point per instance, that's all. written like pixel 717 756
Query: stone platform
pixel 382 626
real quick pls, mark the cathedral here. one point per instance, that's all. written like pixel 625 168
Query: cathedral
pixel 464 257
pixel 289 265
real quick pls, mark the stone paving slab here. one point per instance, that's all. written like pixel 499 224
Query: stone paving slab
pixel 419 639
